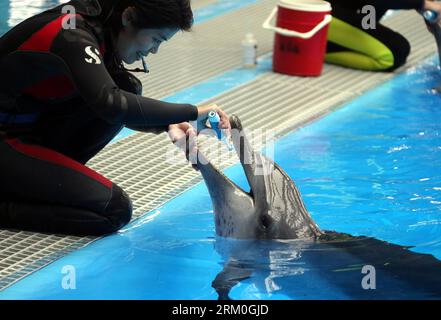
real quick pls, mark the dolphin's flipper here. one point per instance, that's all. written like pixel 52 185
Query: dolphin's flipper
pixel 232 273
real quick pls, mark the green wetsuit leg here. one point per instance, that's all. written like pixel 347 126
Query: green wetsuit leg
pixel 379 49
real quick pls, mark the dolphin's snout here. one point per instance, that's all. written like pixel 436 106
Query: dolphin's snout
pixel 235 122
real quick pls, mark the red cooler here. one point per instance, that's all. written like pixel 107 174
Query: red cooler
pixel 301 35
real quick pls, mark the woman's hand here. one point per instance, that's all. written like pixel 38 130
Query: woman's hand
pixel 183 135
pixel 203 111
pixel 435 7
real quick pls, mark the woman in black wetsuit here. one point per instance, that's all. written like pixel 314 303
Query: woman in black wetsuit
pixel 379 49
pixel 64 94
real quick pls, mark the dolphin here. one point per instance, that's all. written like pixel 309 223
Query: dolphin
pixel 274 210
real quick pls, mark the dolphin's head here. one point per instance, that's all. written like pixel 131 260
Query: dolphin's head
pixel 272 209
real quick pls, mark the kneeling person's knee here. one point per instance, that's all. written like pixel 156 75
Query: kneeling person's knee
pixel 119 210
pixel 400 49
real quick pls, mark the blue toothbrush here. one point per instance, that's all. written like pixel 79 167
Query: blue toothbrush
pixel 214 119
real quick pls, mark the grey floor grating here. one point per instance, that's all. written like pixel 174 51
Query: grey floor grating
pixel 272 101
pixel 213 47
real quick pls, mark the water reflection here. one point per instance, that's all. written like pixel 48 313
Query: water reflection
pixel 330 269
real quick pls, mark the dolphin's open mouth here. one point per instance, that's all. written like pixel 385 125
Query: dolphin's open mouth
pixel 243 150
pixel 235 123
pixel 242 146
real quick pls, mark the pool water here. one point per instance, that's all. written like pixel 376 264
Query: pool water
pixel 370 168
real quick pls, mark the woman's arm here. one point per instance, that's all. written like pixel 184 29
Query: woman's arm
pixel 78 49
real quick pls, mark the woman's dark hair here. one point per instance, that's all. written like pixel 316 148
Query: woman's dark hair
pixel 149 14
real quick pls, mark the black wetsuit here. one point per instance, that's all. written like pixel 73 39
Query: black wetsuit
pixel 63 97
pixel 351 13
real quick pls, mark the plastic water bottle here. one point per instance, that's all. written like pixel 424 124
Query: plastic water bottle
pixel 214 120
pixel 430 15
pixel 249 51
